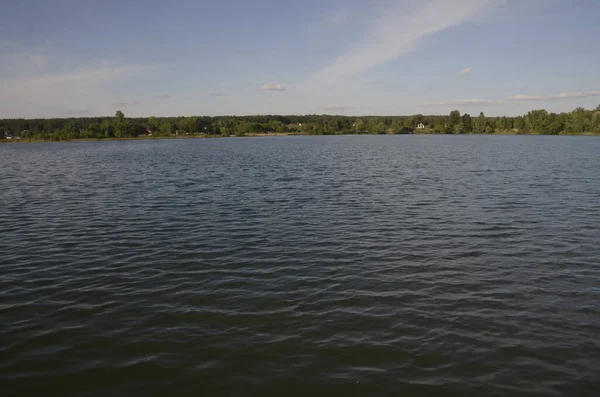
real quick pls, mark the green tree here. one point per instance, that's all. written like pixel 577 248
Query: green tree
pixel 306 128
pixel 439 129
pixel 94 131
pixel 70 130
pixel 276 126
pixel 227 126
pixel 107 128
pixel 119 125
pixel 166 128
pixel 359 126
pixel 154 125
pixel 454 118
pixel 579 121
pixel 503 124
pixel 596 120
pixel 479 124
pixel 381 128
pixel 467 123
pixel 537 121
pixel 409 122
pixel 397 127
pixel 519 123
pixel 128 129
pixel 189 125
pixel 48 126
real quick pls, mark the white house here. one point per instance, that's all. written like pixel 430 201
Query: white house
pixel 420 126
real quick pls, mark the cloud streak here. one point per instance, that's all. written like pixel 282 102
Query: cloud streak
pixel 214 93
pixel 564 95
pixel 396 32
pixel 18 62
pixel 71 91
pixel 125 104
pixel 480 102
pixel 464 102
pixel 465 71
pixel 89 75
pixel 50 87
pixel 272 87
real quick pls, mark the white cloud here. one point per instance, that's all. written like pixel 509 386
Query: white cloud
pixel 396 32
pixel 214 93
pixel 272 87
pixel 464 102
pixel 564 95
pixel 466 71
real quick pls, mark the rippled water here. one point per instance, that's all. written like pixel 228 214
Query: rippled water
pixel 359 265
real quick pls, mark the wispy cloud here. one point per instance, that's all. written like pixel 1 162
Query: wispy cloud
pixel 396 32
pixel 55 88
pixel 214 93
pixel 564 95
pixel 338 108
pixel 466 71
pixel 464 102
pixel 89 75
pixel 125 104
pixel 166 96
pixel 51 87
pixel 338 16
pixel 272 87
pixel 21 62
pixel 25 61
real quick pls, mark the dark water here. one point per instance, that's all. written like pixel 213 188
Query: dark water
pixel 407 265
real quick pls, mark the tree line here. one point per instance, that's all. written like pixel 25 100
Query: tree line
pixel 540 121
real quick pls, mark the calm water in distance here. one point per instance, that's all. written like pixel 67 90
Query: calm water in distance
pixel 309 266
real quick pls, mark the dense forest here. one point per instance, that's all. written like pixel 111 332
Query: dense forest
pixel 578 121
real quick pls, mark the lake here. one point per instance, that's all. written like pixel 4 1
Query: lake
pixel 342 265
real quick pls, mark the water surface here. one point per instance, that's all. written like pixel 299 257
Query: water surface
pixel 356 265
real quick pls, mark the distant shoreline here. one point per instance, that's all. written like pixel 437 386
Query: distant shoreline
pixel 537 122
pixel 265 135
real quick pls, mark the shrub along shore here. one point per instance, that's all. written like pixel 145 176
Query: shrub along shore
pixel 578 122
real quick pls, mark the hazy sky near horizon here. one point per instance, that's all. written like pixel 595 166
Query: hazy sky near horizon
pixel 62 58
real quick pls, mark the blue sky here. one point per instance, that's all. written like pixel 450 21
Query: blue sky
pixel 61 58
